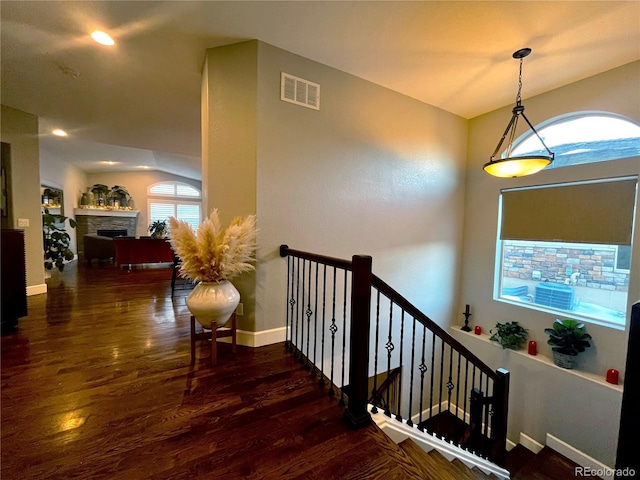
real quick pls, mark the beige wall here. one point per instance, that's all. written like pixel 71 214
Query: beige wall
pixel 229 145
pixel 556 404
pixel 20 130
pixel 70 179
pixel 372 172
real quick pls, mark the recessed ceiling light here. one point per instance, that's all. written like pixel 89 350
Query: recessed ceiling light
pixel 102 38
pixel 58 132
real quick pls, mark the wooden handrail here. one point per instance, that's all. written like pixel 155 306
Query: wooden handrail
pixel 363 281
pixel 314 257
pixel 408 307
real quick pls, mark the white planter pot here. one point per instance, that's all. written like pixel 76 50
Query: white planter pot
pixel 213 302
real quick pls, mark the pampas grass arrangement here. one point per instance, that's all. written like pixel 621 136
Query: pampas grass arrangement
pixel 214 254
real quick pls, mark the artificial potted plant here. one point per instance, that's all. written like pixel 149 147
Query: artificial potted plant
pixel 567 339
pixel 100 191
pixel 212 256
pixel 158 228
pixel 121 195
pixel 510 335
pixel 56 240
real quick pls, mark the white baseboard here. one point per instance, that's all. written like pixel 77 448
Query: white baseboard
pixel 529 443
pixel 258 339
pixel 36 289
pixel 605 472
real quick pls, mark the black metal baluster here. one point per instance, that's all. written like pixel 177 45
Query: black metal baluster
pixel 441 376
pixel 450 384
pixel 344 337
pixel 466 379
pixel 485 435
pixel 481 408
pixel 399 396
pixel 374 392
pixel 297 304
pixel 309 313
pixel 423 368
pixel 304 291
pixel 458 388
pixel 314 371
pixel 413 351
pixel 433 356
pixel 324 302
pixel 333 328
pixel 389 346
pixel 286 308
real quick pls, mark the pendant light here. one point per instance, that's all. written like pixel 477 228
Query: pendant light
pixel 524 165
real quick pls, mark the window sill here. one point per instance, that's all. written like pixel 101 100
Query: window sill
pixel 456 332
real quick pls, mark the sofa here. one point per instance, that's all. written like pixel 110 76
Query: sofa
pixel 99 247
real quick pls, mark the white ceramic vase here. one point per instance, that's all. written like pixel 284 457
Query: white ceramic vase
pixel 212 303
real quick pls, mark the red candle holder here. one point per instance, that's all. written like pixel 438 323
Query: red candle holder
pixel 612 376
pixel 533 347
pixel 477 330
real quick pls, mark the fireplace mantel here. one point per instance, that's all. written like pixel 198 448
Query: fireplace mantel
pixel 103 212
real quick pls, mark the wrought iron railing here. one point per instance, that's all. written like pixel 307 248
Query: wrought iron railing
pixel 346 325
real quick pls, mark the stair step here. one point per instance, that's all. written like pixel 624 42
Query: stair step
pixel 433 465
pixel 480 475
pixel 547 465
pixel 517 458
pixel 464 473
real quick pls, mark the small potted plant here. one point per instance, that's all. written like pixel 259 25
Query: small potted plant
pixel 567 339
pixel 56 240
pixel 121 195
pixel 158 229
pixel 510 335
pixel 100 191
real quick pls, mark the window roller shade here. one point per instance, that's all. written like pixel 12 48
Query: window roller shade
pixel 595 212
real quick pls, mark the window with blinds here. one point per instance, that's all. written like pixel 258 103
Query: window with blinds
pixel 174 199
pixel 566 248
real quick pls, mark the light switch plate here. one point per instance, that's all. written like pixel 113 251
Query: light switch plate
pixel 23 222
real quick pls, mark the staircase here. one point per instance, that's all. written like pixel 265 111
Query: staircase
pixel 522 463
pixel 436 467
pixel 545 465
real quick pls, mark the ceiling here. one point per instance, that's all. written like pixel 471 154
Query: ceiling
pixel 138 103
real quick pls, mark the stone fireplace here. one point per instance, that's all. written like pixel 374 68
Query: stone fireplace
pixel 90 220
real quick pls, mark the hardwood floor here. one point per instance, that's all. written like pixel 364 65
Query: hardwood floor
pixel 97 383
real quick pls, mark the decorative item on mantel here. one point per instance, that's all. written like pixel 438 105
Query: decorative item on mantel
pixel 213 256
pixel 102 197
pixel 567 339
pixel 467 314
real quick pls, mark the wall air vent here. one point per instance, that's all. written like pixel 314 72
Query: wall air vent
pixel 299 91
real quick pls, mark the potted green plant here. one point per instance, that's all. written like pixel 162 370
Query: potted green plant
pixel 567 338
pixel 158 229
pixel 100 191
pixel 510 335
pixel 121 195
pixel 56 240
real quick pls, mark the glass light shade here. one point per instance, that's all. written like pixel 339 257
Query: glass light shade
pixel 516 166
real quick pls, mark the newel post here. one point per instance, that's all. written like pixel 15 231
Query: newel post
pixel 356 414
pixel 501 411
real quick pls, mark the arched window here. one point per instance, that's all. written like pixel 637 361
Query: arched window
pixel 174 199
pixel 586 137
pixel 556 252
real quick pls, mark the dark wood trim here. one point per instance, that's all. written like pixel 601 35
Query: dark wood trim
pixel 356 413
pixel 627 455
